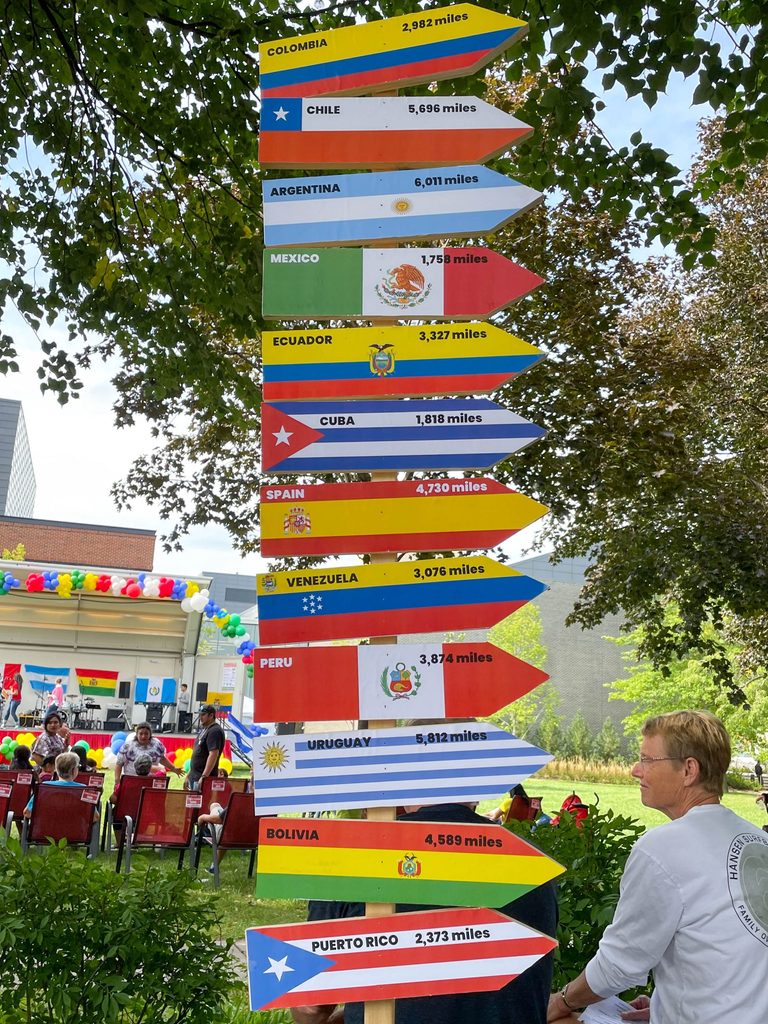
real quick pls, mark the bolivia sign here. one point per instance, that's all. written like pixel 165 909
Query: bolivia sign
pixel 426 46
pixel 428 596
pixel 315 684
pixel 410 131
pixel 401 515
pixel 391 362
pixel 443 764
pixel 382 284
pixel 391 206
pixel 434 433
pixel 397 862
pixel 427 953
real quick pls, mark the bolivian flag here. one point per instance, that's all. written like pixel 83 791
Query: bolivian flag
pixel 96 682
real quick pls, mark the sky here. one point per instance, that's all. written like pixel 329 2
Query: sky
pixel 78 453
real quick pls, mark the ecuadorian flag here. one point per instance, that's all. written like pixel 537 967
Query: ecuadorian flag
pixel 96 682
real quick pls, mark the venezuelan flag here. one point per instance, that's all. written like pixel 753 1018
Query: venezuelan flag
pixel 96 682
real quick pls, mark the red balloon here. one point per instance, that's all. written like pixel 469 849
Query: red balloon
pixel 133 590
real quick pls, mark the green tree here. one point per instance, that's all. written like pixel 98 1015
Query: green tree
pixel 15 554
pixel 607 745
pixel 549 731
pixel 578 741
pixel 520 634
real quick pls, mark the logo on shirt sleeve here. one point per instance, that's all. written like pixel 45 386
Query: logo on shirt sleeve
pixel 748 882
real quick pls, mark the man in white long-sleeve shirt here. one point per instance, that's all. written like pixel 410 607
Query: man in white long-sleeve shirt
pixel 694 895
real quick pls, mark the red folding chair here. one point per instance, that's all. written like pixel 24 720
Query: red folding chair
pixel 218 791
pixel 165 819
pixel 24 784
pixel 6 814
pixel 240 831
pixel 61 812
pixel 93 779
pixel 127 803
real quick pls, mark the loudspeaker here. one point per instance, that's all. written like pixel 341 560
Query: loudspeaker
pixel 115 720
pixel 124 689
pixel 155 715
pixel 201 693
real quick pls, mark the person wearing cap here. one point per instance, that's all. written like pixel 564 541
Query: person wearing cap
pixel 141 766
pixel 53 740
pixel 142 742
pixel 208 748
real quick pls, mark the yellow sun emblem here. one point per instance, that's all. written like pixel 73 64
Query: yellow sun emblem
pixel 402 205
pixel 274 757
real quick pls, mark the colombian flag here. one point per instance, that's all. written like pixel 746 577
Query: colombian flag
pixel 96 682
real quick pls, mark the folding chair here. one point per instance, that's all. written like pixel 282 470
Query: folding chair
pixel 24 785
pixel 61 812
pixel 220 790
pixel 240 831
pixel 127 803
pixel 6 814
pixel 93 779
pixel 165 818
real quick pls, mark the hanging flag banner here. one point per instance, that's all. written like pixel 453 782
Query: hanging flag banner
pixel 392 206
pixel 42 678
pixel 436 433
pixel 422 131
pixel 96 682
pixel 427 953
pixel 155 690
pixel 391 362
pixel 376 56
pixel 384 681
pixel 397 862
pixel 400 515
pixel 381 284
pixel 430 764
pixel 428 596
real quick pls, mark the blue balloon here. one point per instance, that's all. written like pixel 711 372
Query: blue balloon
pixel 116 745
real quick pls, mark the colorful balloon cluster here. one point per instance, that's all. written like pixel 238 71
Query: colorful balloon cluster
pixel 64 583
pixel 230 624
pixel 7 583
pixel 8 745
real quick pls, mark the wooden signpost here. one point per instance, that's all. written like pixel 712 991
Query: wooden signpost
pixel 447 283
pixel 432 952
pixel 421 131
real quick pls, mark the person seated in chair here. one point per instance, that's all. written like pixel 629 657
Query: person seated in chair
pixel 141 766
pixel 21 761
pixel 67 767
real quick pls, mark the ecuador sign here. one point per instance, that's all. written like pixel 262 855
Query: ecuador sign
pixel 410 131
pixel 427 953
pixel 307 684
pixel 426 46
pixel 432 863
pixel 382 284
pixel 444 764
pixel 437 433
pixel 346 209
pixel 390 362
pixel 402 515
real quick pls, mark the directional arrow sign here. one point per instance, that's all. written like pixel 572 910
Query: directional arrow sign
pixel 428 764
pixel 427 46
pixel 421 131
pixel 391 206
pixel 427 596
pixel 359 958
pixel 437 433
pixel 378 284
pixel 397 862
pixel 390 362
pixel 404 515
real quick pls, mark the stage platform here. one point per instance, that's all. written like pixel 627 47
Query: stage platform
pixel 172 741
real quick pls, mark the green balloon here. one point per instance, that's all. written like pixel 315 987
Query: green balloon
pixel 234 620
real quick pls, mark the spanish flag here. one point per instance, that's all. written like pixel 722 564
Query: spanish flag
pixel 96 682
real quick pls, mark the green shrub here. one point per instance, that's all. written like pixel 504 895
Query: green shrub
pixel 607 745
pixel 578 737
pixel 576 769
pixel 83 945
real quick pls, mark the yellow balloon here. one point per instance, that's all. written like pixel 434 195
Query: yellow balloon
pixel 226 764
pixel 192 588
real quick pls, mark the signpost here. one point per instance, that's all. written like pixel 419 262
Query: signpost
pixel 447 283
pixel 397 862
pixel 401 515
pixel 427 46
pixel 437 434
pixel 390 362
pixel 430 764
pixel 428 596
pixel 387 681
pixel 371 132
pixel 391 206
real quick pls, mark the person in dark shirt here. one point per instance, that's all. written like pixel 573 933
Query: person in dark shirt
pixel 522 1001
pixel 208 748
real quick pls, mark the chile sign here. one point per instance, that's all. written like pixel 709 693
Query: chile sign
pixel 391 362
pixel 383 681
pixel 425 862
pixel 391 206
pixel 437 433
pixel 381 284
pixel 430 952
pixel 401 515
pixel 422 131
pixel 430 764
pixel 426 46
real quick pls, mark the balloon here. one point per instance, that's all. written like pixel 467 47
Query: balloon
pixel 117 745
pixel 187 765
pixel 198 602
pixel 97 755
pixel 186 605
pixel 226 764
pixel 133 590
pixel 120 735
pixel 84 744
pixel 109 760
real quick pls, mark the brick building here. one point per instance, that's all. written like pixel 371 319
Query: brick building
pixel 49 541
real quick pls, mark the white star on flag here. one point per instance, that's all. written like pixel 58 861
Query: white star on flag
pixel 278 967
pixel 282 435
pixel 281 114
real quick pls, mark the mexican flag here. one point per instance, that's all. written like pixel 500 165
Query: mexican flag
pixel 96 682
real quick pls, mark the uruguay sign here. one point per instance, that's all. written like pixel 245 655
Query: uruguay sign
pixel 437 433
pixel 347 209
pixel 401 515
pixel 430 764
pixel 426 46
pixel 422 131
pixel 383 681
pixel 390 362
